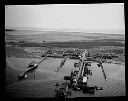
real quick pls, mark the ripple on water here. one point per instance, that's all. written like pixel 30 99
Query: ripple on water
pixel 40 88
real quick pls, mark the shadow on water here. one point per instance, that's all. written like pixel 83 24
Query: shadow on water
pixel 91 90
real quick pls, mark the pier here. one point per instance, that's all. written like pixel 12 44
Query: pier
pixel 33 65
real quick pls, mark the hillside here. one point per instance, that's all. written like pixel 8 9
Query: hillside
pixel 57 36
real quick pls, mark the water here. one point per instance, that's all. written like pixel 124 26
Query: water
pixel 46 77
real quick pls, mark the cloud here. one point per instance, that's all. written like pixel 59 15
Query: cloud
pixel 91 17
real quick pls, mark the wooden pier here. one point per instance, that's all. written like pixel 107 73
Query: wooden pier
pixel 33 65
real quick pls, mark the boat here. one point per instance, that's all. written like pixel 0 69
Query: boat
pixel 33 65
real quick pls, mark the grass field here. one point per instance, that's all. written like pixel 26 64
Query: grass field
pixel 57 36
pixel 81 45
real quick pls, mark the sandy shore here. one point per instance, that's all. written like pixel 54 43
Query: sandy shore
pixel 43 85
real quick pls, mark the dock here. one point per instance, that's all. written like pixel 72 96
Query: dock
pixel 33 65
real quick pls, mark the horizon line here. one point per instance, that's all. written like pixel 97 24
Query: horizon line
pixel 63 30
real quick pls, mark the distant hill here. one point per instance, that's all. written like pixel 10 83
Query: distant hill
pixel 57 36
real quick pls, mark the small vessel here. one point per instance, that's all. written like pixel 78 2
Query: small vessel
pixel 33 65
pixel 22 76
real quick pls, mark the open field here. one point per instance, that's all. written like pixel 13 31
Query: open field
pixel 57 36
pixel 81 45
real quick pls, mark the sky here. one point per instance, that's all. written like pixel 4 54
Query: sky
pixel 106 18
